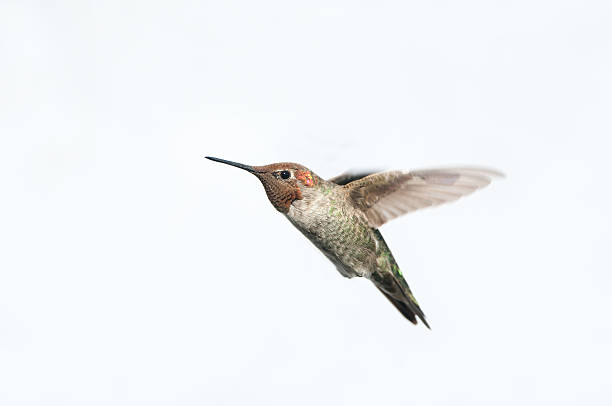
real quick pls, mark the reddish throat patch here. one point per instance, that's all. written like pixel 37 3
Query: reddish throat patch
pixel 306 178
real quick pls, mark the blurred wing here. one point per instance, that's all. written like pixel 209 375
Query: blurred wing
pixel 349 177
pixel 387 195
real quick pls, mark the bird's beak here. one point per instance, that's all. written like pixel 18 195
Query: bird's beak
pixel 236 164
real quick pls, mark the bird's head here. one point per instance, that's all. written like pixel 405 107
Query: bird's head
pixel 284 182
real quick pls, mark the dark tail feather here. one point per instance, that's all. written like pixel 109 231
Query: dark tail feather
pixel 406 309
pixel 389 280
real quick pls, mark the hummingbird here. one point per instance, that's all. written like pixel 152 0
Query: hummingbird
pixel 341 215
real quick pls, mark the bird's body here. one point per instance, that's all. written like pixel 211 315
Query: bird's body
pixel 341 231
pixel 335 227
pixel 341 215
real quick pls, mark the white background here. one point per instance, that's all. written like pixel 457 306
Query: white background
pixel 135 272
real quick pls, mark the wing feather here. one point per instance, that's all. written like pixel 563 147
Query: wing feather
pixel 349 177
pixel 386 195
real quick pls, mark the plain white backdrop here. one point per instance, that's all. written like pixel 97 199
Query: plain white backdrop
pixel 135 272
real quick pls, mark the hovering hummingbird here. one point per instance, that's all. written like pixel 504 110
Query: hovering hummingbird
pixel 341 215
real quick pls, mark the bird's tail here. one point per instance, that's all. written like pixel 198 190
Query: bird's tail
pixel 389 280
pixel 407 306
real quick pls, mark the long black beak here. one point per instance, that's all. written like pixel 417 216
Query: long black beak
pixel 236 164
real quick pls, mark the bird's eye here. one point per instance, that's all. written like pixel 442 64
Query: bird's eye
pixel 285 174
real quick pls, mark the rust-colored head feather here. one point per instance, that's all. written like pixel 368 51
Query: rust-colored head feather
pixel 283 182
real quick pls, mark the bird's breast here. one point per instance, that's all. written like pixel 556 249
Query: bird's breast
pixel 338 230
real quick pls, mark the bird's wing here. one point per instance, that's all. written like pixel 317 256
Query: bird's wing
pixel 386 195
pixel 350 176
